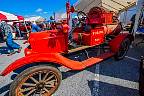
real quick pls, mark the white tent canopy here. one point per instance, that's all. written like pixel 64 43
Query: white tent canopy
pixel 117 6
pixel 60 16
pixel 36 18
pixel 9 16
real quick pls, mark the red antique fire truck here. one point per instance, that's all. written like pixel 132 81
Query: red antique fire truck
pixel 97 38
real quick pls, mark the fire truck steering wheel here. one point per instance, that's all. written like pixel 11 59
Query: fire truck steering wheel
pixel 82 17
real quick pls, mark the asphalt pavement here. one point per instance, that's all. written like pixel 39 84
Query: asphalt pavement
pixel 108 78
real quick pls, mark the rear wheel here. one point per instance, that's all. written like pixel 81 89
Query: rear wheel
pixel 36 81
pixel 123 49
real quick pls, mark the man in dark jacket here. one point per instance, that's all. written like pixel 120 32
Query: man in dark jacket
pixel 132 23
pixel 9 40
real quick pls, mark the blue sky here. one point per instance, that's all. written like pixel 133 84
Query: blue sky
pixel 44 8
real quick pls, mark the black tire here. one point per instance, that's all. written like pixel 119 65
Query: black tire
pixel 123 49
pixel 43 80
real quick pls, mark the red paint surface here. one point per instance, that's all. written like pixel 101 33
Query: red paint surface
pixel 95 37
pixel 55 58
pixel 20 17
pixel 46 46
pixel 98 15
pixel 116 42
pixel 48 42
pixel 3 17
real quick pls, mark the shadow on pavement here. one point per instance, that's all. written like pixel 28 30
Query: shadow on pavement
pixel 70 73
pixel 4 50
pixel 104 89
pixel 124 69
pixel 93 88
pixel 7 94
pixel 5 89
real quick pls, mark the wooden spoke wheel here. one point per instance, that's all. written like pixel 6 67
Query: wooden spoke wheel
pixel 123 49
pixel 36 81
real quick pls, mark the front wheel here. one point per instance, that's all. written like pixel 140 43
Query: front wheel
pixel 124 46
pixel 36 81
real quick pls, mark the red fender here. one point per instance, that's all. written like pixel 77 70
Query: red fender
pixel 55 58
pixel 116 42
pixel 43 57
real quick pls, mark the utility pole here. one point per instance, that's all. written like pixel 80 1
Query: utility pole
pixel 54 16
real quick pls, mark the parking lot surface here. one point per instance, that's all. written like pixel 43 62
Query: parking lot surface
pixel 108 78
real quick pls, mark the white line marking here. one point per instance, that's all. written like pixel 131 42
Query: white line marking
pixel 132 58
pixel 117 81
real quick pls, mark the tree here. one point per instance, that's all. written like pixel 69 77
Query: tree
pixel 51 18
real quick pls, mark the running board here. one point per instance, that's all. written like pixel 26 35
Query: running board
pixel 93 60
pixel 78 49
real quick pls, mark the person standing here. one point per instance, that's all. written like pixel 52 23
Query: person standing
pixel 9 41
pixel 18 32
pixel 132 23
pixel 2 33
pixel 12 45
pixel 35 27
pixel 66 28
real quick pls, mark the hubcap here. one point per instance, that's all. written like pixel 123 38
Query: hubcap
pixel 40 86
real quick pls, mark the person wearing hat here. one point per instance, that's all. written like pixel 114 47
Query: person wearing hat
pixel 65 31
pixel 10 42
pixel 35 27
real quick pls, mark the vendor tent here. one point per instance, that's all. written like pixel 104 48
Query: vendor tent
pixel 60 16
pixel 36 18
pixel 10 17
pixel 117 6
pixel 20 17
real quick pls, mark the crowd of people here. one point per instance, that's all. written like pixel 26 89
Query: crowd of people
pixel 22 30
